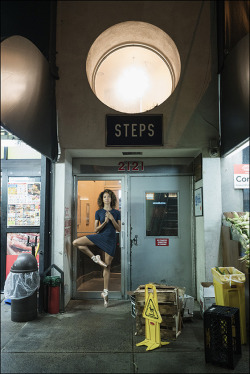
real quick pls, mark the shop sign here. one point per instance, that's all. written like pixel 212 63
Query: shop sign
pixel 159 242
pixel 241 176
pixel 134 130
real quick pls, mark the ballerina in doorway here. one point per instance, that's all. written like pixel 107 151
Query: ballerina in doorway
pixel 107 222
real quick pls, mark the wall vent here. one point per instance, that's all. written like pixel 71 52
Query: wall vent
pixel 131 153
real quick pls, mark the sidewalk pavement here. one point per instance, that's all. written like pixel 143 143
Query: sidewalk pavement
pixel 89 338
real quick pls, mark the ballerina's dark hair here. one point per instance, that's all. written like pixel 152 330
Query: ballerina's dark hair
pixel 113 199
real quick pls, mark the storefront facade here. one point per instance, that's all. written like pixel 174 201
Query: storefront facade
pixel 180 171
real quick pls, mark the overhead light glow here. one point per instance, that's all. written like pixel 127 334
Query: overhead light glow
pixel 132 83
pixel 133 67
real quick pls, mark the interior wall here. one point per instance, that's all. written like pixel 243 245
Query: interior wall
pixel 88 192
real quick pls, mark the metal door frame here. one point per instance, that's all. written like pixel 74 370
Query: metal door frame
pixel 125 232
pixel 123 237
pixel 192 222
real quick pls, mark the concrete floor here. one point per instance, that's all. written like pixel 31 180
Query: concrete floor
pixel 88 338
pixel 96 284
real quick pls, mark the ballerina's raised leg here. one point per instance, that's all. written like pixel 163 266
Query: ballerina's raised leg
pixel 83 245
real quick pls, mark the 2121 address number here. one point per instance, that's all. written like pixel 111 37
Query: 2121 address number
pixel 130 166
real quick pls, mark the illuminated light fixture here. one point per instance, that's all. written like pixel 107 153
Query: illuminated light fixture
pixel 132 83
pixel 133 67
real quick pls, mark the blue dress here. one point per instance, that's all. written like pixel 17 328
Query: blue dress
pixel 106 238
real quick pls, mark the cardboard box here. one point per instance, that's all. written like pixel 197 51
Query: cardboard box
pixel 188 306
pixel 207 296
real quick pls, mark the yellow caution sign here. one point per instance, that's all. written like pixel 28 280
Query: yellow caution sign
pixel 152 320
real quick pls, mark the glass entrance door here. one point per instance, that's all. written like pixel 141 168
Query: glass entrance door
pixel 88 275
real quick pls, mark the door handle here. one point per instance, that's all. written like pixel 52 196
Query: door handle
pixel 134 241
pixel 122 239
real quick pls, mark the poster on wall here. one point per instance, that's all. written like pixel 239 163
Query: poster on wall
pixel 23 204
pixel 198 202
pixel 17 244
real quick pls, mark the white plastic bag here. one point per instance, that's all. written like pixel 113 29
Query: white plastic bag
pixel 21 285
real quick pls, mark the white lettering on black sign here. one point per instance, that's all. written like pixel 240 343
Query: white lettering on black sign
pixel 134 130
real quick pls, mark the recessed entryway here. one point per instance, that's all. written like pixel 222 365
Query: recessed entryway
pixel 133 67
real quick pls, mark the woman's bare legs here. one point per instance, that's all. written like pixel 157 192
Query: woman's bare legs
pixel 106 277
pixel 83 244
pixel 106 271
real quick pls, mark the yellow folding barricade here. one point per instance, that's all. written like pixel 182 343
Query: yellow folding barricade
pixel 153 319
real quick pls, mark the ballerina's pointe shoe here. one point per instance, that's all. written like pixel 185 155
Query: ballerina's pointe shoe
pixel 97 260
pixel 105 297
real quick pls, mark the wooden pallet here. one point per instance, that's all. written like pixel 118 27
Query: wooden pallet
pixel 169 308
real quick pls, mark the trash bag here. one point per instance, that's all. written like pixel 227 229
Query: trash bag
pixel 20 285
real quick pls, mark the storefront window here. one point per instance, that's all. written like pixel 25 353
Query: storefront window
pixel 17 244
pixel 23 151
pixel 2 153
pixel 161 213
pixel 13 148
pixel 24 201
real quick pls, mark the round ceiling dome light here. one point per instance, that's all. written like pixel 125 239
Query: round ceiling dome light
pixel 133 67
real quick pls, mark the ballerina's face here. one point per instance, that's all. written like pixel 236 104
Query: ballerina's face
pixel 106 198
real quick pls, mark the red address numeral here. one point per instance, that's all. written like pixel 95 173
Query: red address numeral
pixel 130 166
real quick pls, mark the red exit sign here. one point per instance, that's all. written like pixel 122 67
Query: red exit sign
pixel 161 242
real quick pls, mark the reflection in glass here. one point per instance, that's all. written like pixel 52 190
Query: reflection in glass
pixel 161 214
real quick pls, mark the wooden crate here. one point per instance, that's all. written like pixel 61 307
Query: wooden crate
pixel 169 308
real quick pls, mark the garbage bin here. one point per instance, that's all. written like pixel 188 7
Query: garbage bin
pixel 21 287
pixel 53 293
pixel 229 289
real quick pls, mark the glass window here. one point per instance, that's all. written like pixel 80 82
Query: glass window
pixel 2 153
pixel 16 148
pixel 17 244
pixel 23 151
pixel 161 213
pixel 24 201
